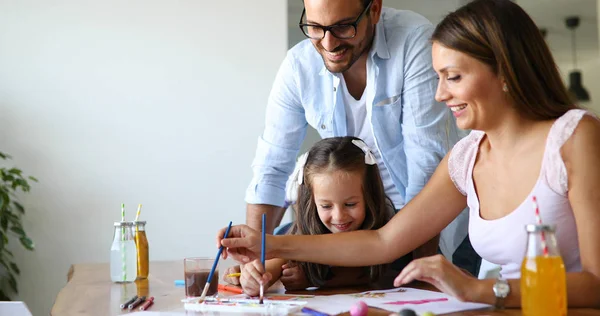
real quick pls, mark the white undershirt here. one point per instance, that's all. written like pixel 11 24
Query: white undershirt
pixel 358 124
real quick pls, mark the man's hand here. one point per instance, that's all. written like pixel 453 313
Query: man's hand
pixel 254 214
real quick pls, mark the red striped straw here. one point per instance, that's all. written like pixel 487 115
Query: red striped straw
pixel 539 222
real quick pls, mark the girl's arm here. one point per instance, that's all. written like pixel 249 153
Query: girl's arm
pixel 419 221
pixel 274 268
pixel 581 154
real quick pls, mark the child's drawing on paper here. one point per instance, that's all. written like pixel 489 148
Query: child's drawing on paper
pixel 375 294
pixel 417 302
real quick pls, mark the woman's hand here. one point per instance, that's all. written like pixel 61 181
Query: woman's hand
pixel 293 277
pixel 441 273
pixel 252 276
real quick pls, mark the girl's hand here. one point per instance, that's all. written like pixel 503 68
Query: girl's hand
pixel 252 277
pixel 441 273
pixel 293 277
pixel 232 280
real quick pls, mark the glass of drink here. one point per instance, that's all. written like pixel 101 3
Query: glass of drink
pixel 543 278
pixel 196 272
pixel 141 243
pixel 123 254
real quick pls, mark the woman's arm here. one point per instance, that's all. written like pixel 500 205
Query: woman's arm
pixel 420 220
pixel 581 154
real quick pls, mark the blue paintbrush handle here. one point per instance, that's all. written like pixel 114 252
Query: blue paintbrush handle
pixel 212 271
pixel 262 245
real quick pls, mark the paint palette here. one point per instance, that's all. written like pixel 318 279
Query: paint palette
pixel 242 305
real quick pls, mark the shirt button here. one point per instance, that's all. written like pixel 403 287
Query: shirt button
pixel 334 89
pixel 323 126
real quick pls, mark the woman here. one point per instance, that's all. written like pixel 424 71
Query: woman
pixel 498 77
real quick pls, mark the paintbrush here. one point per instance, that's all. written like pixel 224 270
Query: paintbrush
pixel 212 271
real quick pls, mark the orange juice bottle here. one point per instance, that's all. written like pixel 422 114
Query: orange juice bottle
pixel 143 264
pixel 543 279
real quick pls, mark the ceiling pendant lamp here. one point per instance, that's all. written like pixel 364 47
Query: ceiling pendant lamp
pixel 576 88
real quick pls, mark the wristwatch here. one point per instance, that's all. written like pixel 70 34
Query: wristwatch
pixel 501 290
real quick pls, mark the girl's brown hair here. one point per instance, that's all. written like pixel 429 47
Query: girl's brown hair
pixel 338 154
pixel 501 34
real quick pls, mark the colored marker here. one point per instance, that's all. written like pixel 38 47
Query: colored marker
pixel 131 300
pixel 137 302
pixel 147 303
pixel 229 288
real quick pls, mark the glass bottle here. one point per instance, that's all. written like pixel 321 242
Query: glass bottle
pixel 141 242
pixel 123 254
pixel 543 277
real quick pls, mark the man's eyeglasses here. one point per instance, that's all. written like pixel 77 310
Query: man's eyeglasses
pixel 341 31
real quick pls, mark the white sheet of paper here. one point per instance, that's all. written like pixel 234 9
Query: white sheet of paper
pixel 392 300
pixel 14 309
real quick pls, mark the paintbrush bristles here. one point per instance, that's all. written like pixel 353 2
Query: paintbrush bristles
pixel 203 296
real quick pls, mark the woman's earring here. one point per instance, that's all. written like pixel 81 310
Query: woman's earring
pixel 505 88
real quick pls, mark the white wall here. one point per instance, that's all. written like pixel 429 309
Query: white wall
pixel 153 102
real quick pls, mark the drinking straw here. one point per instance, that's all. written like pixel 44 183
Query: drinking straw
pixel 212 270
pixel 137 215
pixel 123 258
pixel 539 222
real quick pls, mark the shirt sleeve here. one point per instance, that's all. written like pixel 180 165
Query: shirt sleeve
pixel 427 126
pixel 285 129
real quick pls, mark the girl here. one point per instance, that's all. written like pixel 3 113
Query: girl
pixel 339 190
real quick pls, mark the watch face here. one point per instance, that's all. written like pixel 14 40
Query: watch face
pixel 501 289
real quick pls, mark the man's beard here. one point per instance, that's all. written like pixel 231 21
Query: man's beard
pixel 355 52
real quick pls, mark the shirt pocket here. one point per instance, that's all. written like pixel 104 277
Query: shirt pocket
pixel 389 101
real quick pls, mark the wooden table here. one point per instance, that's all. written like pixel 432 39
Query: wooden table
pixel 89 291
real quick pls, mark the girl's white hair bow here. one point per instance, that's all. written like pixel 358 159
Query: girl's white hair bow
pixel 369 157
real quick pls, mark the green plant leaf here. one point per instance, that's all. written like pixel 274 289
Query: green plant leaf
pixel 4 238
pixel 15 171
pixel 3 296
pixel 13 266
pixel 19 207
pixel 23 184
pixel 2 262
pixel 4 222
pixel 4 156
pixel 27 243
pixel 8 177
pixel 18 230
pixel 34 179
pixel 12 218
pixel 9 253
pixel 13 282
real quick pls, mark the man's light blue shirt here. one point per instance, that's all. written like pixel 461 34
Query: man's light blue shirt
pixel 412 131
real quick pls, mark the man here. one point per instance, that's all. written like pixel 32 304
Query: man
pixel 365 71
